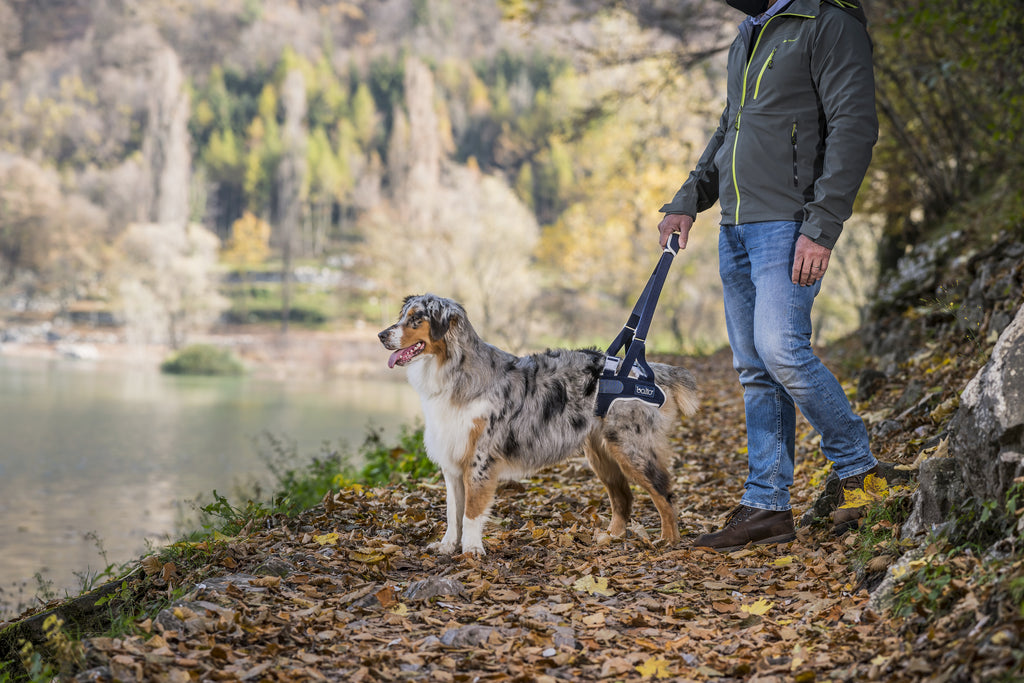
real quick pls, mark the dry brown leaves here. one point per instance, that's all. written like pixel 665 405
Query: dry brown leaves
pixel 348 591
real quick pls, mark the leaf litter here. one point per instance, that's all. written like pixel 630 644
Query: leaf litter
pixel 347 590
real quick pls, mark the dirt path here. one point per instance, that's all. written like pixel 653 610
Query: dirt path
pixel 348 592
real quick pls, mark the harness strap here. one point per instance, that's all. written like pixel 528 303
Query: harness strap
pixel 640 385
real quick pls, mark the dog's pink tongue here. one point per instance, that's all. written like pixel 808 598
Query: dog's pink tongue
pixel 394 358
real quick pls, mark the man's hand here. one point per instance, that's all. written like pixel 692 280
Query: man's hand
pixel 810 260
pixel 674 222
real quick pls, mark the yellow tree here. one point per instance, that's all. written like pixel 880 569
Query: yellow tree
pixel 248 248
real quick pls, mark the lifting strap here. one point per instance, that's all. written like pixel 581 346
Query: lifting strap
pixel 630 378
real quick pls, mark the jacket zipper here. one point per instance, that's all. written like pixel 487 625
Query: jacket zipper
pixel 767 65
pixel 796 175
pixel 743 101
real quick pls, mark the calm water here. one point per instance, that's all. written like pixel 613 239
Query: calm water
pixel 91 450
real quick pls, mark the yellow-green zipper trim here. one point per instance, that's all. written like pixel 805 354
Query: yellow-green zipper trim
pixel 743 100
pixel 767 65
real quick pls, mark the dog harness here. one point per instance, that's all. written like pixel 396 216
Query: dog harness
pixel 630 378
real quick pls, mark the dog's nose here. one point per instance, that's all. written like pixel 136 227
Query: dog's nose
pixel 382 335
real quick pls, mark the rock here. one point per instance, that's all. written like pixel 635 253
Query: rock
pixel 883 597
pixel 467 636
pixel 184 617
pixel 990 421
pixel 869 382
pixel 434 587
pixel 940 488
pixel 274 566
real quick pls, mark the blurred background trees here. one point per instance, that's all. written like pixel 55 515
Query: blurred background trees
pixel 510 154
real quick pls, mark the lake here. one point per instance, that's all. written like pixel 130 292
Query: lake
pixel 93 454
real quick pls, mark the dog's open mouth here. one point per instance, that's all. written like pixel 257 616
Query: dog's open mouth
pixel 403 356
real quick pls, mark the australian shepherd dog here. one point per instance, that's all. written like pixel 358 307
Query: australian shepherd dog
pixel 491 416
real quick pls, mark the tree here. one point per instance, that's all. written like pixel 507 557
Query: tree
pixel 949 83
pixel 474 243
pixel 165 278
pixel 291 179
pixel 248 248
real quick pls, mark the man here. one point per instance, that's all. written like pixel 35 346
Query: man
pixel 789 155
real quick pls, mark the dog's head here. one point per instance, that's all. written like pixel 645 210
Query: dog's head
pixel 422 329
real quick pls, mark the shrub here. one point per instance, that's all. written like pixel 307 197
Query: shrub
pixel 203 359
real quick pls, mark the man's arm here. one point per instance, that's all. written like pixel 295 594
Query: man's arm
pixel 843 74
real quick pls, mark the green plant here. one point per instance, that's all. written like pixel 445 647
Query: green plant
pixel 223 517
pixel 90 580
pixel 299 487
pixel 879 530
pixel 203 359
pixel 405 462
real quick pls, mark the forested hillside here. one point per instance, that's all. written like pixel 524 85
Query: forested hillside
pixel 512 155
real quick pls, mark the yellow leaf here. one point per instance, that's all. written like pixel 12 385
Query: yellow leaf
pixel 371 557
pixel 876 485
pixel 760 607
pixel 873 489
pixel 598 586
pixel 855 498
pixel 820 475
pixel 912 566
pixel 655 667
pixel 401 609
pixel 784 561
pixel 327 539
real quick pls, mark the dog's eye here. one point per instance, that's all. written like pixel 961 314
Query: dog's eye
pixel 415 319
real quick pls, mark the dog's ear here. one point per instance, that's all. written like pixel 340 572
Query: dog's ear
pixel 441 321
pixel 443 314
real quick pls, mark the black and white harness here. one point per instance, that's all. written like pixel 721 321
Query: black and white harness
pixel 630 378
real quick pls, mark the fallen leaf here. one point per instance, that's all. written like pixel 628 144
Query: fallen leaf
pixel 598 586
pixel 655 667
pixel 327 539
pixel 371 557
pixel 386 597
pixel 266 581
pixel 761 606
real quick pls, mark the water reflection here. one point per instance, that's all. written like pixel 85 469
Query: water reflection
pixel 87 447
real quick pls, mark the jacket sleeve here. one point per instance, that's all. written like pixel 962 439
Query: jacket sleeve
pixel 700 191
pixel 843 74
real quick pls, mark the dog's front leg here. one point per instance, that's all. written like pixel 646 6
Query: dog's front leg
pixel 480 490
pixel 455 502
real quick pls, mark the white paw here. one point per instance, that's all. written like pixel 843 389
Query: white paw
pixel 473 549
pixel 444 547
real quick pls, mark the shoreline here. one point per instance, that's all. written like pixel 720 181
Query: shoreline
pixel 266 353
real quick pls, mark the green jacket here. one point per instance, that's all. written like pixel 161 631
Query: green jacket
pixel 795 139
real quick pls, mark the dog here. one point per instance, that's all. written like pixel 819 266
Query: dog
pixel 492 416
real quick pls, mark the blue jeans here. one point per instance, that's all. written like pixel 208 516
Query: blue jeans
pixel 769 323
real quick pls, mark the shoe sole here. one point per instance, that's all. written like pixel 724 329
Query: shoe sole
pixel 784 538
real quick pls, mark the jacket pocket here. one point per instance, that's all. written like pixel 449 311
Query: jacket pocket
pixel 796 156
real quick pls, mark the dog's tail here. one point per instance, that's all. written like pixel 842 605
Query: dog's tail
pixel 680 389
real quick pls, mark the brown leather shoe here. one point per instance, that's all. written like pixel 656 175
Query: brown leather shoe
pixel 750 525
pixel 858 492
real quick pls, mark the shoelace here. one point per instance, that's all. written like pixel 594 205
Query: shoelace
pixel 737 515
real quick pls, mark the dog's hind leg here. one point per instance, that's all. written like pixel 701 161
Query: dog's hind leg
pixel 455 502
pixel 647 470
pixel 609 472
pixel 635 439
